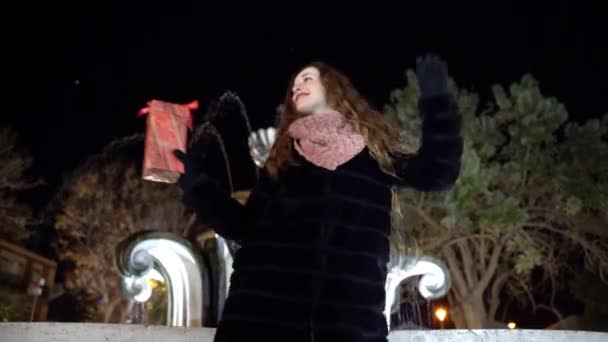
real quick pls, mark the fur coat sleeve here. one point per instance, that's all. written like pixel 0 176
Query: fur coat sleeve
pixel 217 208
pixel 436 166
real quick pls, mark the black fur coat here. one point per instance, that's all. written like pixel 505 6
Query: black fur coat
pixel 315 243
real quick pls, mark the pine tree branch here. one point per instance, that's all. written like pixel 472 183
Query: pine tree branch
pixel 524 171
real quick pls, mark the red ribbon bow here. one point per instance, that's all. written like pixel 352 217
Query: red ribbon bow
pixel 181 110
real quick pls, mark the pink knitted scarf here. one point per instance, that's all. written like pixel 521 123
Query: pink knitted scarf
pixel 326 139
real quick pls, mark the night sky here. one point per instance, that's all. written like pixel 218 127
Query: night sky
pixel 75 77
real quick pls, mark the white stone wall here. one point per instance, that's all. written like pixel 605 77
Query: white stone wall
pixel 83 332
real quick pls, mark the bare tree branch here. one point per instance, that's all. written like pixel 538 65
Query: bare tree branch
pixel 586 223
pixel 191 220
pixel 553 310
pixel 450 257
pixel 99 208
pixel 482 251
pixel 490 270
pixel 470 237
pixel 427 218
pixel 467 263
pixel 497 286
pixel 421 200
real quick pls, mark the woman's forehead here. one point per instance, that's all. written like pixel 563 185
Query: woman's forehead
pixel 308 71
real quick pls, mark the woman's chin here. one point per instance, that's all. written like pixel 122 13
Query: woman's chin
pixel 304 110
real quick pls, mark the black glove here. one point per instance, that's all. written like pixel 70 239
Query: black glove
pixel 432 74
pixel 193 170
pixel 213 205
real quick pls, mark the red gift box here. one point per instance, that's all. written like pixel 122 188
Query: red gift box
pixel 166 130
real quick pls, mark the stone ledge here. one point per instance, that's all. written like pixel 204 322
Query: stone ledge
pixel 94 332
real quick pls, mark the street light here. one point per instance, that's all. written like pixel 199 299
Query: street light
pixel 35 289
pixel 511 325
pixel 441 314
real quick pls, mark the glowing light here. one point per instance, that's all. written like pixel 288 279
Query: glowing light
pixel 441 314
pixel 512 325
pixel 155 275
pixel 141 285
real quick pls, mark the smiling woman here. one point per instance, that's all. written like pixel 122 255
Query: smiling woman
pixel 329 100
pixel 308 92
pixel 314 233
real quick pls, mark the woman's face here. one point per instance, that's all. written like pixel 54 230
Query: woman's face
pixel 308 93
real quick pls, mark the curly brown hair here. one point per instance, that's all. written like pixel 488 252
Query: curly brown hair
pixel 382 139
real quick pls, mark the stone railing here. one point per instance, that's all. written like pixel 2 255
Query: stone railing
pixel 78 332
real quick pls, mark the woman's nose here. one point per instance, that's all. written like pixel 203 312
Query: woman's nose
pixel 295 88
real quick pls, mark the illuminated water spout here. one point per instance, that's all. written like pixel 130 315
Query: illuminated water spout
pixel 175 259
pixel 434 283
